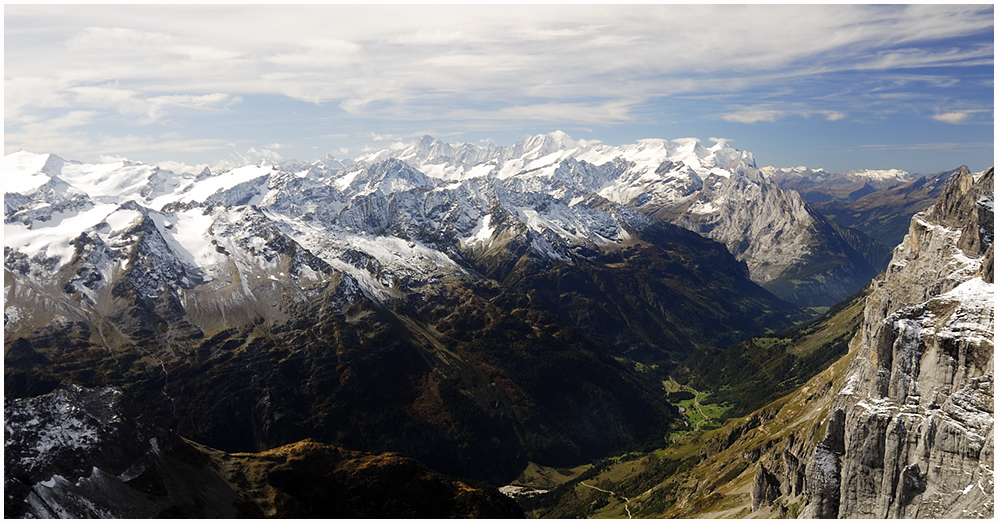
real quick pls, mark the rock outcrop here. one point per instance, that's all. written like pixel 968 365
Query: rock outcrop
pixel 918 398
pixel 791 250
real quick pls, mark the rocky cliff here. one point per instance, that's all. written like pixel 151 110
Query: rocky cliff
pixel 791 250
pixel 910 433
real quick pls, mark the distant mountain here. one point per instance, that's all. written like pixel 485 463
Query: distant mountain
pixel 871 208
pixel 818 185
pixel 715 191
pixel 884 214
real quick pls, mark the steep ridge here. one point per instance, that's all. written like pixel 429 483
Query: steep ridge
pixel 78 452
pixel 902 426
pixel 928 333
pixel 794 252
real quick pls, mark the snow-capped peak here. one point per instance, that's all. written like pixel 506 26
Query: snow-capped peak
pixel 24 172
pixel 881 174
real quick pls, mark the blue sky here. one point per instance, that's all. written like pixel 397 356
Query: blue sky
pixel 840 87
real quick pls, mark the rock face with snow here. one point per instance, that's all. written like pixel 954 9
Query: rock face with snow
pixel 917 436
pixel 79 452
pixel 794 252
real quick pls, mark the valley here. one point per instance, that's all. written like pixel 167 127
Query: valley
pixel 782 460
pixel 695 412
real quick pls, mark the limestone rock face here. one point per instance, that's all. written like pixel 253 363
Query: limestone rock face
pixel 790 249
pixel 918 398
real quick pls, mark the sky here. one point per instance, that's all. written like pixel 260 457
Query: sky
pixel 838 87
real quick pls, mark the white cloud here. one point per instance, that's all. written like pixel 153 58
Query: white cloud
pixel 265 154
pixel 377 137
pixel 591 113
pixel 774 112
pixel 118 38
pixel 431 37
pixel 509 48
pixel 71 136
pixel 535 33
pixel 158 107
pixel 316 54
pixel 951 117
pixel 754 116
pixel 204 53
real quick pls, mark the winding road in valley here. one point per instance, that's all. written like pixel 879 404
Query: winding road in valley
pixel 696 403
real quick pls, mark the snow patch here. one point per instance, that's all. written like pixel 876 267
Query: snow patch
pixel 703 208
pixel 482 232
pixel 200 191
pixel 52 238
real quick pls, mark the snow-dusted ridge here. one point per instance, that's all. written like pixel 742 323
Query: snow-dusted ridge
pixel 564 192
pixel 878 175
pixel 46 182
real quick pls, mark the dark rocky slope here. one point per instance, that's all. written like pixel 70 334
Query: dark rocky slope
pixel 91 453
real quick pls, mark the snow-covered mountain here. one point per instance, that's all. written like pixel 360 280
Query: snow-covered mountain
pixel 715 191
pixel 819 185
pixel 387 223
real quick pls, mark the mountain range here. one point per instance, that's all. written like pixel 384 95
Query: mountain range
pixel 473 307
